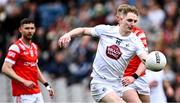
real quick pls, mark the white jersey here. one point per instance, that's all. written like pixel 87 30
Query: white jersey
pixel 114 51
pixel 157 94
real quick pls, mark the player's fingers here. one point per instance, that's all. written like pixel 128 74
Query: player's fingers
pixel 51 93
pixel 124 80
pixel 31 86
pixel 60 42
pixel 123 83
pixel 66 43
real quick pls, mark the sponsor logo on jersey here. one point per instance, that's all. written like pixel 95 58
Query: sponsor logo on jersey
pixel 31 53
pixel 31 64
pixel 113 52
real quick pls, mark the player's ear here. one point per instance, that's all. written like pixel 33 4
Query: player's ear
pixel 20 29
pixel 116 18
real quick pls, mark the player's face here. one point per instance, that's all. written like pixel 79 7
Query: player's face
pixel 129 21
pixel 27 30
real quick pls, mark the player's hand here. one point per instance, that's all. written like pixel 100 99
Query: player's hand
pixel 169 92
pixel 29 84
pixel 64 40
pixel 127 80
pixel 50 90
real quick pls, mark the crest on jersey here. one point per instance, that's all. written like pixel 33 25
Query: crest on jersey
pixel 118 41
pixel 31 53
pixel 113 52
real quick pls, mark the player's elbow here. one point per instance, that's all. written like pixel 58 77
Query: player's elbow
pixel 5 68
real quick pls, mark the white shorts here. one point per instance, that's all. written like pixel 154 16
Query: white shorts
pixel 32 98
pixel 101 87
pixel 140 85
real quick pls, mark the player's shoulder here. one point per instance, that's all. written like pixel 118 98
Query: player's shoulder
pixel 108 30
pixel 135 28
pixel 134 39
pixel 35 45
pixel 138 30
pixel 14 47
pixel 105 27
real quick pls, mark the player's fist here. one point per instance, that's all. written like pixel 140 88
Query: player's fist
pixel 127 80
pixel 29 84
pixel 64 40
pixel 50 90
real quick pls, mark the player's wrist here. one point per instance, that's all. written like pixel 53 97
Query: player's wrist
pixel 48 87
pixel 46 84
pixel 135 76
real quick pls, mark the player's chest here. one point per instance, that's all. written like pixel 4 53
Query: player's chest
pixel 29 54
pixel 114 42
pixel 116 48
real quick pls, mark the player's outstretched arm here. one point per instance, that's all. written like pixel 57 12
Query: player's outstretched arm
pixel 66 38
pixel 7 70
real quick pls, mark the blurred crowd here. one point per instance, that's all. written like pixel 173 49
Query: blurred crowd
pixel 72 66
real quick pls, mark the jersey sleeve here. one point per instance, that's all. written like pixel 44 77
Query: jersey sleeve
pixel 143 38
pixel 12 54
pixel 98 30
pixel 140 48
pixel 141 35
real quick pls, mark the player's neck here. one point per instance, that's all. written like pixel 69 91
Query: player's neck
pixel 26 41
pixel 124 32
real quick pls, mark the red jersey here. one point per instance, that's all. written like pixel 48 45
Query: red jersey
pixel 24 59
pixel 135 61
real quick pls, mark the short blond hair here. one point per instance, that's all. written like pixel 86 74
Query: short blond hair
pixel 124 9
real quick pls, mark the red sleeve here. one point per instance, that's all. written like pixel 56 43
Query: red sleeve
pixel 12 55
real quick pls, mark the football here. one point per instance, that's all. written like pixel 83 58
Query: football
pixel 155 61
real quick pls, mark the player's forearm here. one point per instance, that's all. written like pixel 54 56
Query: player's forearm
pixel 78 32
pixel 141 69
pixel 166 84
pixel 41 78
pixel 143 57
pixel 7 70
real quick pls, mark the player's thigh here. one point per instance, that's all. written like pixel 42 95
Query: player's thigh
pixel 104 92
pixel 99 90
pixel 24 99
pixel 144 98
pixel 39 98
pixel 34 98
pixel 112 97
pixel 141 86
pixel 130 95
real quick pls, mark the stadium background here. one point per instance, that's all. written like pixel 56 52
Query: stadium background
pixel 68 69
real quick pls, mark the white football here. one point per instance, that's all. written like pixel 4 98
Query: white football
pixel 155 61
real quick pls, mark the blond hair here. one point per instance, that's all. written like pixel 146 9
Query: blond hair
pixel 124 9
